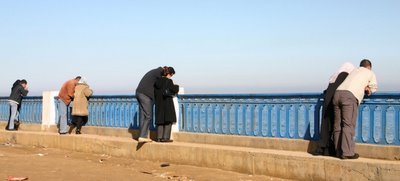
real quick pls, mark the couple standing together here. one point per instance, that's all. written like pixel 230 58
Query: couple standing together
pixel 344 94
pixel 157 87
pixel 78 91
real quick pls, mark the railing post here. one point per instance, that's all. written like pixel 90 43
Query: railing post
pixel 49 109
pixel 175 127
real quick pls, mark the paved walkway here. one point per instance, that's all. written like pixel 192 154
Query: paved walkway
pixel 39 163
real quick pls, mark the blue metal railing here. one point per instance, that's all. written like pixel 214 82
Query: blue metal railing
pixel 294 116
pixel 274 115
pixel 113 111
pixel 120 111
pixel 30 112
pixel 285 116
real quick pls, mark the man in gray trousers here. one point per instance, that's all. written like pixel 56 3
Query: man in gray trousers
pixel 145 98
pixel 347 98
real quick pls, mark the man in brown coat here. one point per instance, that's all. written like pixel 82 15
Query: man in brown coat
pixel 66 95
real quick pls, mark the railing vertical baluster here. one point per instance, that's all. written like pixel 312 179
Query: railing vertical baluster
pixel 384 123
pixel 287 135
pixel 397 126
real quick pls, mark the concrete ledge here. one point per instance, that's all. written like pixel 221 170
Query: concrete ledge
pixel 104 131
pixel 277 163
pixel 365 150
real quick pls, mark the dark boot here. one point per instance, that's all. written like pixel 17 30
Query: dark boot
pixel 71 128
pixel 16 125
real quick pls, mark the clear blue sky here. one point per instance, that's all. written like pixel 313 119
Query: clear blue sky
pixel 215 46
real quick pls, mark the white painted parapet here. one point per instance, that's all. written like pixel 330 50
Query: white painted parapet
pixel 49 109
pixel 175 127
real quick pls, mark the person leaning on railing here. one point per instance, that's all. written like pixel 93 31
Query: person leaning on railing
pixel 145 98
pixel 80 110
pixel 19 90
pixel 325 143
pixel 65 96
pixel 346 100
pixel 165 90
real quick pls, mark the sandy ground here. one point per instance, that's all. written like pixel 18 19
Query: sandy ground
pixel 40 164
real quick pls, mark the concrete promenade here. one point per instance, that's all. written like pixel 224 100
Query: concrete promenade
pixel 282 158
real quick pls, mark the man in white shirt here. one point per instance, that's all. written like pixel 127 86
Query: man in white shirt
pixel 348 97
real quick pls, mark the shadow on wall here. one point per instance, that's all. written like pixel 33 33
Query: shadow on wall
pixel 133 128
pixel 312 146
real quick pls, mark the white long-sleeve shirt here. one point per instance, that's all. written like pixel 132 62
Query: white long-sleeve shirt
pixel 358 80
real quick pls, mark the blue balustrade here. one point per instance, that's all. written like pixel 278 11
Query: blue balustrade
pixel 294 116
pixel 4 109
pixel 114 111
pixel 120 111
pixel 30 112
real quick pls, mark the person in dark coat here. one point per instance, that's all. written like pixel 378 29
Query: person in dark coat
pixel 19 90
pixel 145 98
pixel 165 90
pixel 325 144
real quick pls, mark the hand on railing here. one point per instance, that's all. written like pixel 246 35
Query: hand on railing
pixel 368 91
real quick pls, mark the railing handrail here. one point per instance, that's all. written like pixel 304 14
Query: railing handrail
pixel 287 95
pixel 26 97
pixel 271 95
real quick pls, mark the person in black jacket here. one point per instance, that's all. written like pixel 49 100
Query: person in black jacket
pixel 325 144
pixel 145 98
pixel 165 90
pixel 19 90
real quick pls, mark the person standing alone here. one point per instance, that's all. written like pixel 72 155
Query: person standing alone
pixel 145 98
pixel 346 100
pixel 65 96
pixel 325 144
pixel 19 90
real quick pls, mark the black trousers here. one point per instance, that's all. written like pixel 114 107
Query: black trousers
pixel 79 121
pixel 164 131
pixel 325 143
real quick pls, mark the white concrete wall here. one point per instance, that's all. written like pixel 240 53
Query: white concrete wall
pixel 49 109
pixel 175 127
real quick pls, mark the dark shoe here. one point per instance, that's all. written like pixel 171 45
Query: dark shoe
pixel 71 128
pixel 11 129
pixel 318 152
pixel 167 140
pixel 78 131
pixel 159 140
pixel 64 133
pixel 355 156
pixel 16 125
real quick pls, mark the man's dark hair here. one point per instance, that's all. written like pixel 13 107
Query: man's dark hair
pixel 365 63
pixel 171 70
pixel 17 82
pixel 168 70
pixel 23 81
pixel 78 78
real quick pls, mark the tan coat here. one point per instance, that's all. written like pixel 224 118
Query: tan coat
pixel 81 103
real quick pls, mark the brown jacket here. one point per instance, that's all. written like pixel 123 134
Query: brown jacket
pixel 67 90
pixel 81 102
